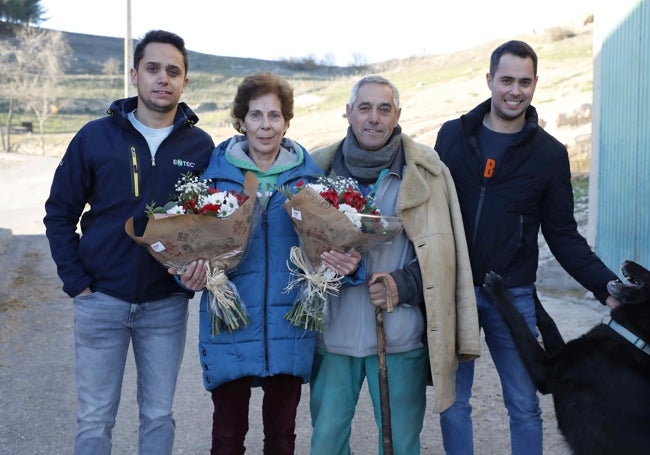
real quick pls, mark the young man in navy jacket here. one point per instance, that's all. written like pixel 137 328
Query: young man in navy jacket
pixel 113 167
pixel 512 179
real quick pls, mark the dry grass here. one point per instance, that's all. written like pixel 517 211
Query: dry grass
pixel 433 89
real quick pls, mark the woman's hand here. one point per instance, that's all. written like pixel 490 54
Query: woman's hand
pixel 342 263
pixel 193 277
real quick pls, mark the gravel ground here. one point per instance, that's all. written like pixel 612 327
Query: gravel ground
pixel 37 393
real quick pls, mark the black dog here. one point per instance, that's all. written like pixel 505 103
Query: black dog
pixel 600 381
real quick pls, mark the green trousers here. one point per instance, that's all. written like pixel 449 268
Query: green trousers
pixel 334 391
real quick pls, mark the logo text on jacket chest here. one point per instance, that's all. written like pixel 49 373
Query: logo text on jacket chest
pixel 182 163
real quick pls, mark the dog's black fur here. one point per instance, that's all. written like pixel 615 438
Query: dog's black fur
pixel 600 382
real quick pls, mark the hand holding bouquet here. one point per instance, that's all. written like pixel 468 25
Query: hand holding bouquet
pixel 204 223
pixel 329 214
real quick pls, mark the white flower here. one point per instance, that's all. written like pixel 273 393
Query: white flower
pixel 229 204
pixel 318 187
pixel 214 198
pixel 351 213
pixel 175 210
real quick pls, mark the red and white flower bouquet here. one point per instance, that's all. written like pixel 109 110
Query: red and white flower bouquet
pixel 205 223
pixel 329 214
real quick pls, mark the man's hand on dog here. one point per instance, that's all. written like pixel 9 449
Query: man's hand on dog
pixel 612 302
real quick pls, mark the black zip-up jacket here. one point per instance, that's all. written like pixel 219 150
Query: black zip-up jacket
pixel 531 188
pixel 108 169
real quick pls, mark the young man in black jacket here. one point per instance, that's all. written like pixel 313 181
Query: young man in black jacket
pixel 512 179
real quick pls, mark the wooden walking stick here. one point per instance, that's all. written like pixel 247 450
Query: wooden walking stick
pixel 386 427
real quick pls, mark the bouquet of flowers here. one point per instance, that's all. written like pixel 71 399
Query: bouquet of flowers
pixel 204 223
pixel 329 214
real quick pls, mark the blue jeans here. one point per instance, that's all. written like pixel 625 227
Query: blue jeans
pixel 103 328
pixel 334 391
pixel 519 392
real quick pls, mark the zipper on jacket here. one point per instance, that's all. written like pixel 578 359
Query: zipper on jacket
pixel 522 234
pixel 153 161
pixel 265 226
pixel 135 171
pixel 477 215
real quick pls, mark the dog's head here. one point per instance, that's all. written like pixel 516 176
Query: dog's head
pixel 637 288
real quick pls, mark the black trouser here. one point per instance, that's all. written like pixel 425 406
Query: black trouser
pixel 279 407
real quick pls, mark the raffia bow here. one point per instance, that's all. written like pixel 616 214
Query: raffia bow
pixel 310 310
pixel 224 302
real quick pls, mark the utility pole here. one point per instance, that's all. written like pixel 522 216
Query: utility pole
pixel 128 51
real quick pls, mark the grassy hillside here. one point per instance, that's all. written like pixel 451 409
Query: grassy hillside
pixel 433 88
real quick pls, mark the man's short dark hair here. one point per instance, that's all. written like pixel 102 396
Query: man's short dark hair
pixel 160 36
pixel 514 47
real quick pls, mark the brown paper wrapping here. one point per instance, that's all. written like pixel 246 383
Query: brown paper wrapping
pixel 176 240
pixel 322 227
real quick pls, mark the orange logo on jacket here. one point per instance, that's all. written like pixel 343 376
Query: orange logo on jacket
pixel 488 172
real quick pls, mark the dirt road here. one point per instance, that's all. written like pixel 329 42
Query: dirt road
pixel 37 393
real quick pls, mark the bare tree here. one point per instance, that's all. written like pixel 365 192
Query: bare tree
pixel 111 67
pixel 329 59
pixel 359 60
pixel 8 81
pixel 50 52
pixel 5 52
pixel 35 67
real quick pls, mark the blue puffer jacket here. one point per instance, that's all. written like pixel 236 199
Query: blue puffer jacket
pixel 269 345
pixel 108 166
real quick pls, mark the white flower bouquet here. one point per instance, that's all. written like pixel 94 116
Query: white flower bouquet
pixel 204 223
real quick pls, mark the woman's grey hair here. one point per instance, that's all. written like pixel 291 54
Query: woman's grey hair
pixel 373 80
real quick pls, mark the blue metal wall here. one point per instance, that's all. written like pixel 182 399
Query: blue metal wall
pixel 623 209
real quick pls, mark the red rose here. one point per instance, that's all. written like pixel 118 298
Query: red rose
pixel 331 196
pixel 210 208
pixel 354 199
pixel 241 198
pixel 190 206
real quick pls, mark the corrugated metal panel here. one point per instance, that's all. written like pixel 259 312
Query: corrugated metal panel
pixel 623 215
pixel 643 149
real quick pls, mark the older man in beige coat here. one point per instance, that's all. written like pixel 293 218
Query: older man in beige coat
pixel 412 183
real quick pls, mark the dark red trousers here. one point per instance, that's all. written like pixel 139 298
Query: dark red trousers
pixel 279 407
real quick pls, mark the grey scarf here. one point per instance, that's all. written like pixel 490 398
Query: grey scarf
pixel 366 165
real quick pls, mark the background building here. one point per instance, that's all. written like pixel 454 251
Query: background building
pixel 619 184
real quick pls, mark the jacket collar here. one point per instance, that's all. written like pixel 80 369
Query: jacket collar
pixel 414 188
pixel 474 118
pixel 414 153
pixel 119 110
pixel 420 160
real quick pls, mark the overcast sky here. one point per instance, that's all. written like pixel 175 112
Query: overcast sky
pixel 333 30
